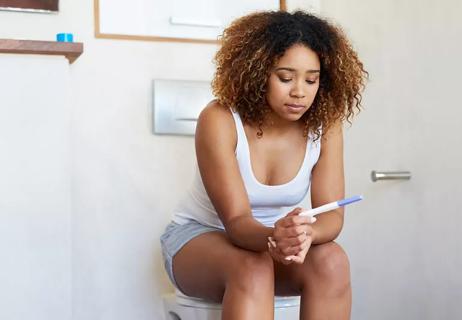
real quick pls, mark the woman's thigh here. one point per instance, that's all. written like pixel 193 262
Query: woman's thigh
pixel 323 262
pixel 203 266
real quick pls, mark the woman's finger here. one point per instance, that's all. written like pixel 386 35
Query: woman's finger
pixel 272 242
pixel 277 256
pixel 299 257
pixel 292 241
pixel 295 211
pixel 292 232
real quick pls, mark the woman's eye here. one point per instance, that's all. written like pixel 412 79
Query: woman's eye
pixel 285 79
pixel 311 81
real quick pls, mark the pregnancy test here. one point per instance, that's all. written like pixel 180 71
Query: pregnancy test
pixel 324 208
pixel 330 206
pixel 327 207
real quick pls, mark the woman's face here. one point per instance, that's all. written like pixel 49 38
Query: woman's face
pixel 293 83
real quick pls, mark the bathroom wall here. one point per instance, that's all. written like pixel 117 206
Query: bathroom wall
pixel 122 179
pixel 403 240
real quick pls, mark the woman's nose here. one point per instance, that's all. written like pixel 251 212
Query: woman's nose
pixel 297 91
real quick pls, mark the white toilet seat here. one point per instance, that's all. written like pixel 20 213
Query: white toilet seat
pixel 187 301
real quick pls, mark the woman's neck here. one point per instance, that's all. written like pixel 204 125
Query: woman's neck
pixel 276 125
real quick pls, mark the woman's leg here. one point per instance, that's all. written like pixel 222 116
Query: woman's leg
pixel 323 281
pixel 211 267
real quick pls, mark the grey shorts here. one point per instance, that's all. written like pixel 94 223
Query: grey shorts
pixel 175 237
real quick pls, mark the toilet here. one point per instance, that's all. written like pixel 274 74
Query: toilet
pixel 178 306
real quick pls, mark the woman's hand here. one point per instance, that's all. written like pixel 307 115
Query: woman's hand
pixel 292 238
pixel 276 253
pixel 299 258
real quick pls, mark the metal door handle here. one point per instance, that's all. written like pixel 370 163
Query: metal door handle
pixel 390 175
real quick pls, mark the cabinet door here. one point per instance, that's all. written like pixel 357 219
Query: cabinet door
pixel 34 188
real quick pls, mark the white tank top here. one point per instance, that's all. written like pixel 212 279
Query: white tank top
pixel 267 202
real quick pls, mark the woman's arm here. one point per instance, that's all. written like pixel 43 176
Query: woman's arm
pixel 328 184
pixel 216 140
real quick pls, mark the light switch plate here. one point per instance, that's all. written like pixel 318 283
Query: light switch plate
pixel 177 104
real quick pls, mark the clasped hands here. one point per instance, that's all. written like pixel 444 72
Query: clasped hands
pixel 292 238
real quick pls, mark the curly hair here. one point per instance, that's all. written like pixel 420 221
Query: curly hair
pixel 254 43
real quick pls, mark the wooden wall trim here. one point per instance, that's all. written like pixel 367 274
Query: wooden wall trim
pixel 100 35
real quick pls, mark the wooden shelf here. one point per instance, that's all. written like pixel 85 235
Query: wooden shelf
pixel 71 50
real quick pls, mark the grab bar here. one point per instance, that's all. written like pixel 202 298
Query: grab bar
pixel 390 175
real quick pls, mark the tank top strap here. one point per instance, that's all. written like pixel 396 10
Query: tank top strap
pixel 241 138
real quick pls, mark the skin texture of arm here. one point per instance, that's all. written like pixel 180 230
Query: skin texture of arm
pixel 328 184
pixel 216 141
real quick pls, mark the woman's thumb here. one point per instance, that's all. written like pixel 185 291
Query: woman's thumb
pixel 295 212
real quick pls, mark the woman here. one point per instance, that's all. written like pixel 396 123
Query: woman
pixel 284 83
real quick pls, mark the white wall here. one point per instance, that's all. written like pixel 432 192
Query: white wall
pixel 404 240
pixel 124 180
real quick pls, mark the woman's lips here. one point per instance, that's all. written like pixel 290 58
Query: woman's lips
pixel 295 107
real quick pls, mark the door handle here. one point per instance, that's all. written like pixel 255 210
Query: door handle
pixel 390 175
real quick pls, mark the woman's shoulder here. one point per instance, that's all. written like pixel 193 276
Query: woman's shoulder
pixel 215 109
pixel 216 120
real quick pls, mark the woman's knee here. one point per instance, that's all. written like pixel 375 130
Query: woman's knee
pixel 251 271
pixel 330 263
